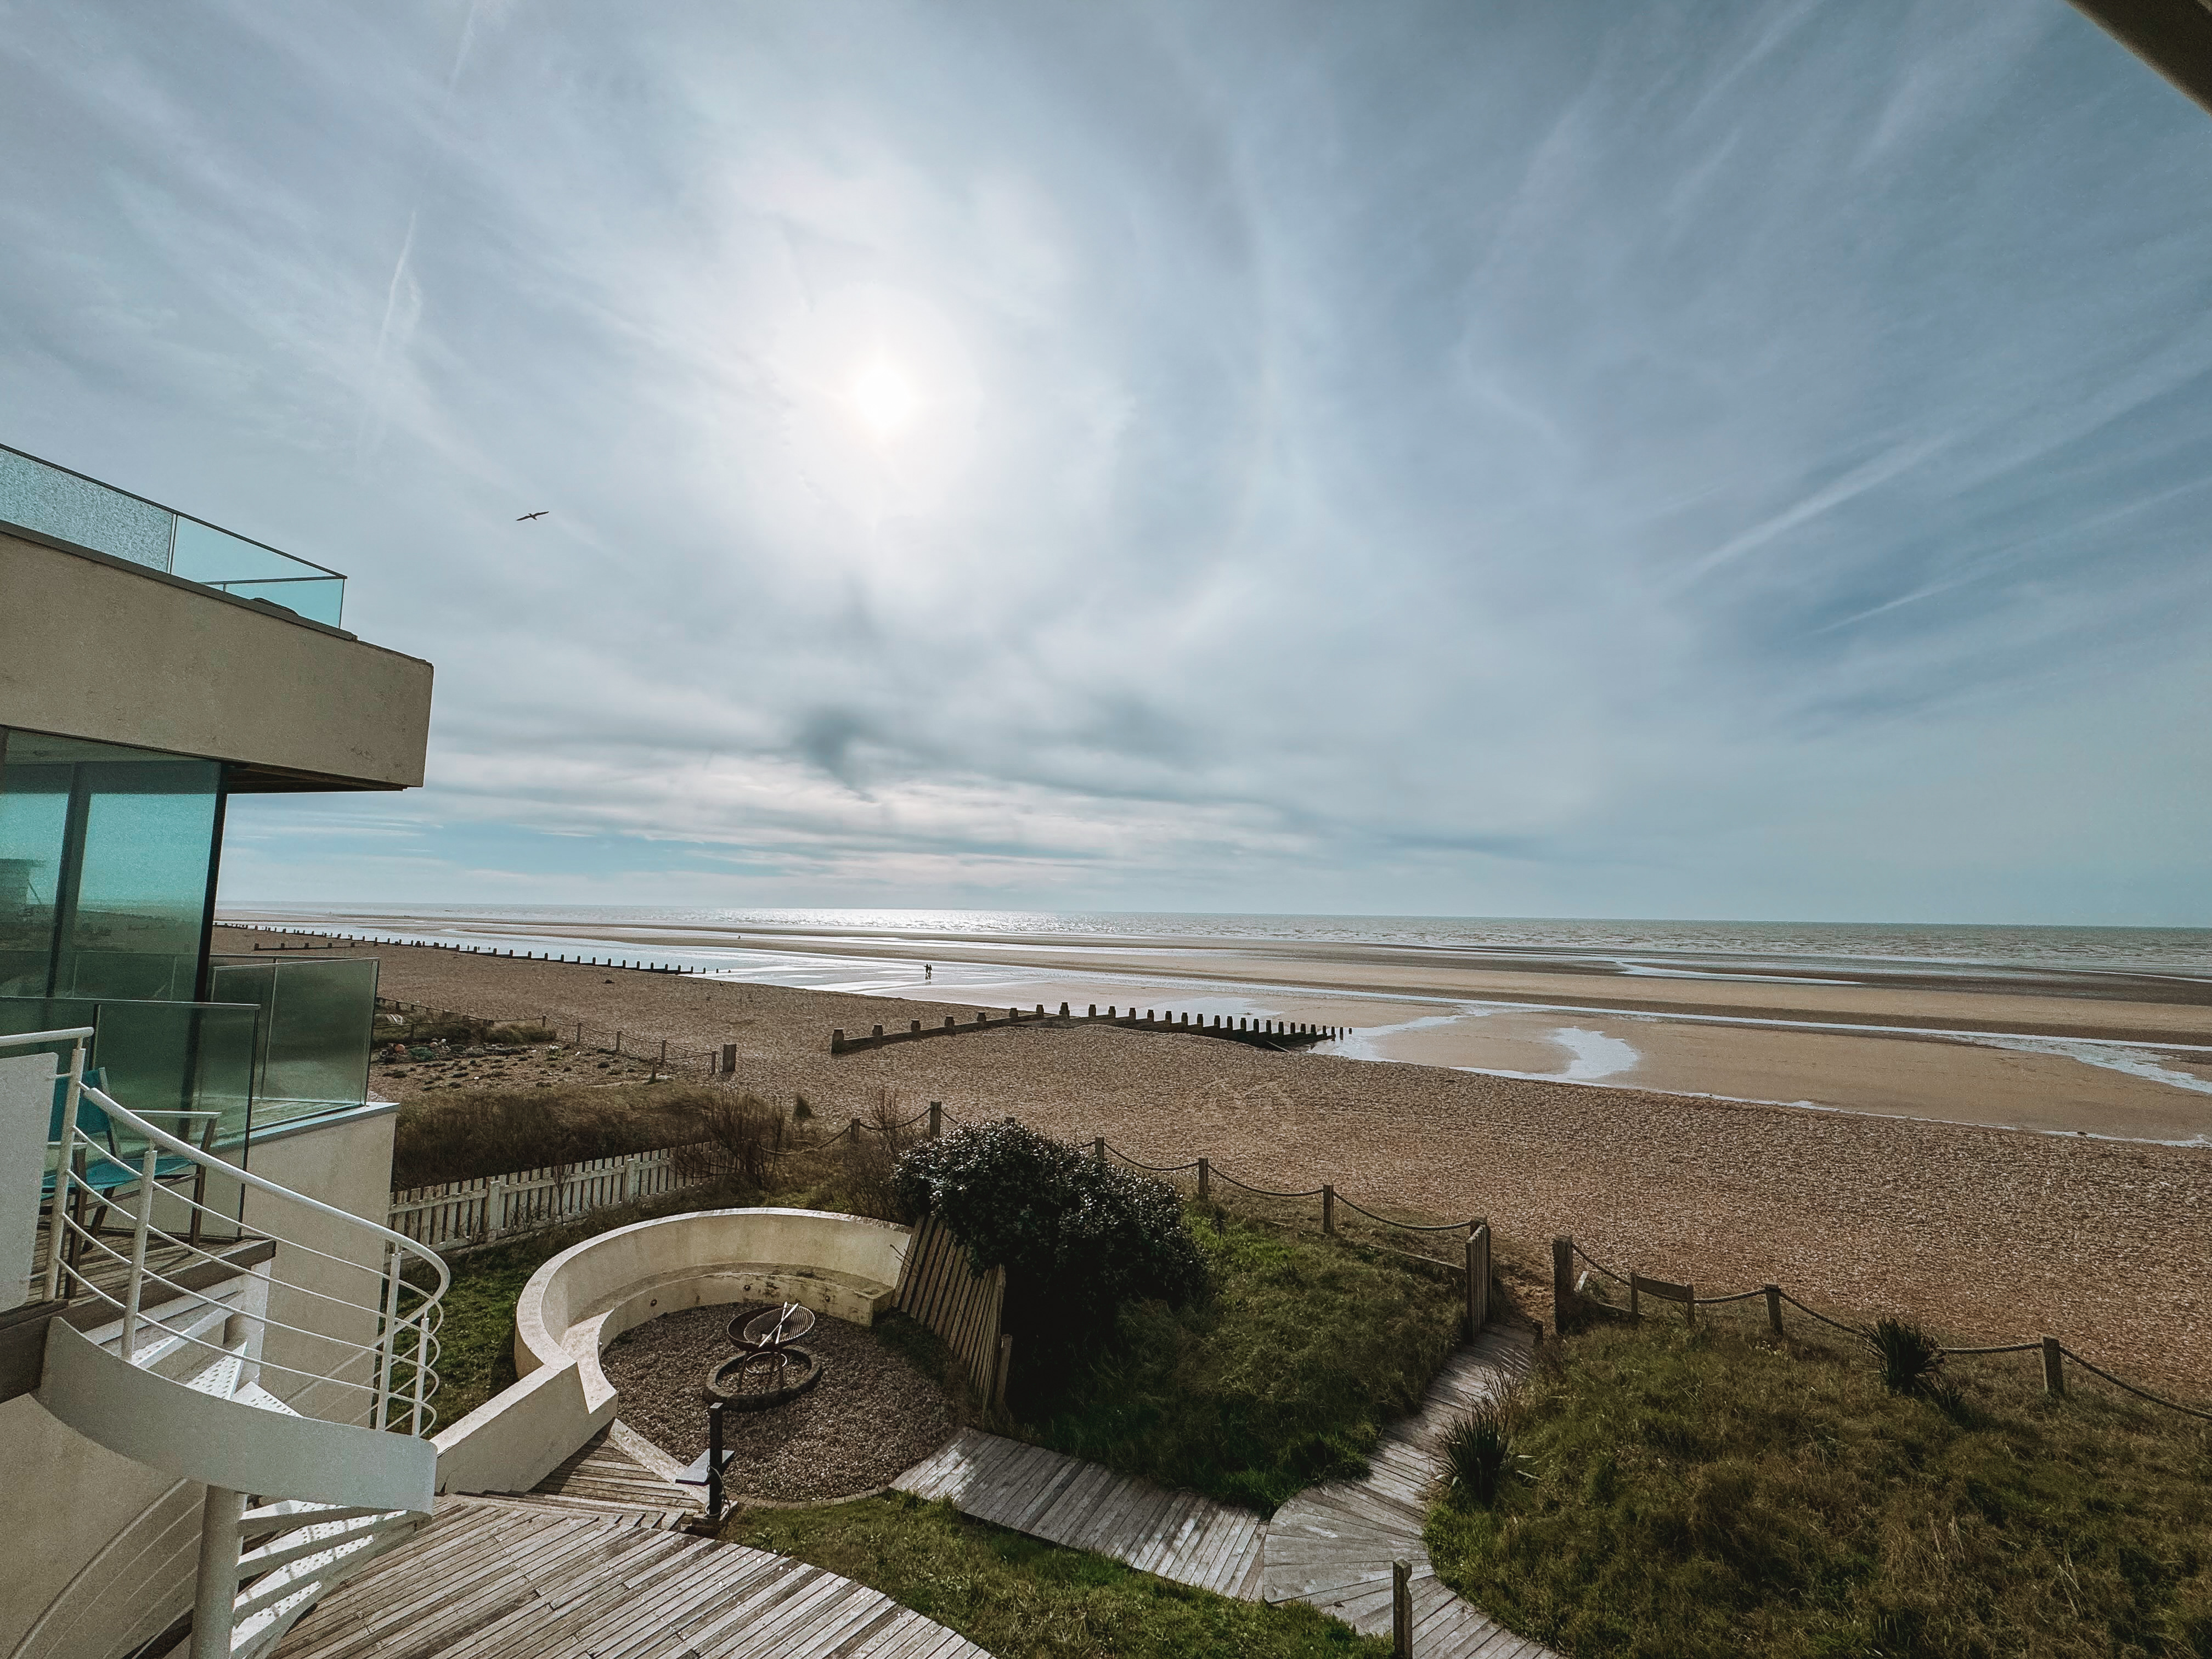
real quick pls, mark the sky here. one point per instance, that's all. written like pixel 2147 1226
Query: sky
pixel 1682 459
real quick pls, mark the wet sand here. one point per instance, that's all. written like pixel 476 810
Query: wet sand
pixel 2071 1050
pixel 1992 1235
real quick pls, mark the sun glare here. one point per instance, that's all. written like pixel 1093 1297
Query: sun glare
pixel 885 398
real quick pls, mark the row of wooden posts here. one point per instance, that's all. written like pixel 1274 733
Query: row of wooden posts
pixel 1569 1308
pixel 1261 1033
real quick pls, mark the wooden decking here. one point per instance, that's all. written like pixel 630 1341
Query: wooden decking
pixel 526 1578
pixel 1086 1506
pixel 1332 1546
pixel 599 1475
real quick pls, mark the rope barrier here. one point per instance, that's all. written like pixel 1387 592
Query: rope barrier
pixel 1851 1329
pixel 1406 1226
pixel 2010 1347
pixel 2171 1405
pixel 1161 1169
pixel 1741 1295
pixel 1599 1265
pixel 1266 1192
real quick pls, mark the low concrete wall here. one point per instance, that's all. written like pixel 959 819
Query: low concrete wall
pixel 520 1435
pixel 845 1265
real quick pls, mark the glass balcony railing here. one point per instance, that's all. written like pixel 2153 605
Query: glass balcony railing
pixel 56 501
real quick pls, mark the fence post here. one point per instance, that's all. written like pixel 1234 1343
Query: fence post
pixel 936 1118
pixel 495 1207
pixel 729 1060
pixel 1401 1610
pixel 1006 1365
pixel 1099 1149
pixel 1328 1208
pixel 1478 1277
pixel 2054 1368
pixel 628 1171
pixel 855 1132
pixel 1563 1283
pixel 1774 1309
pixel 1205 1180
pixel 663 1065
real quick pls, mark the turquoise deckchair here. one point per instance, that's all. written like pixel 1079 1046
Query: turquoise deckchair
pixel 108 1171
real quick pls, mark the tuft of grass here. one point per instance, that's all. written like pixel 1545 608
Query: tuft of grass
pixel 1283 1374
pixel 1906 1356
pixel 1478 1453
pixel 1021 1599
pixel 1704 1492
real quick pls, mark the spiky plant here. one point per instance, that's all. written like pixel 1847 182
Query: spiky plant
pixel 1906 1355
pixel 1477 1451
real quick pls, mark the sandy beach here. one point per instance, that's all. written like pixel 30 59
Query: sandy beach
pixel 2086 1050
pixel 1990 1234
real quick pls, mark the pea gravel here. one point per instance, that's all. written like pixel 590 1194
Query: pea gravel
pixel 870 1418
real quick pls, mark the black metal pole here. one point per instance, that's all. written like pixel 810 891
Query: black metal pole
pixel 715 1462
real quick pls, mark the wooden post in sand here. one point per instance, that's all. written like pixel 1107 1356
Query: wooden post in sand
pixel 1205 1180
pixel 1773 1308
pixel 1327 1209
pixel 1478 1277
pixel 936 1119
pixel 1563 1283
pixel 1099 1149
pixel 2054 1368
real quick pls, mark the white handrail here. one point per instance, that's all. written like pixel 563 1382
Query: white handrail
pixel 248 1178
pixel 406 1332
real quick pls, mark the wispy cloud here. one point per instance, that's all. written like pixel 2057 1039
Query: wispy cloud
pixel 1453 458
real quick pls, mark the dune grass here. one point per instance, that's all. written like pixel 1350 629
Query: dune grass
pixel 1021 1599
pixel 1710 1492
pixel 469 1133
pixel 1282 1374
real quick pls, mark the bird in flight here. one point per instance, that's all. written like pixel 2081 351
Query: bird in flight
pixel 540 514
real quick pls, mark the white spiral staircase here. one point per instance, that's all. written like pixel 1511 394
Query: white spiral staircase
pixel 290 1474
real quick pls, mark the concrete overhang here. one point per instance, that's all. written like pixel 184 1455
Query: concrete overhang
pixel 2174 37
pixel 98 648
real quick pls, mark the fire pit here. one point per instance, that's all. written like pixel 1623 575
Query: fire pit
pixel 768 1367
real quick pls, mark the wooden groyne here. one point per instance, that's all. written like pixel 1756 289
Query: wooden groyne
pixel 1229 1028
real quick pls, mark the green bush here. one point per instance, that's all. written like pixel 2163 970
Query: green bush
pixel 465 1134
pixel 1077 1238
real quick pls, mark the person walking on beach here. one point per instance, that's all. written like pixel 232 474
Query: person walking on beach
pixel 929 972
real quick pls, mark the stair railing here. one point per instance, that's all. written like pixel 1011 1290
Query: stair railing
pixel 385 1376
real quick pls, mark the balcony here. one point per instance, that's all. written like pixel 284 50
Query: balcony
pixel 52 501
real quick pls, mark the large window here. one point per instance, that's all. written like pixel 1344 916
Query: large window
pixel 105 859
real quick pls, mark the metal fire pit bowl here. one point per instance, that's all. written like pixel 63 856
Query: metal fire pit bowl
pixel 768 1369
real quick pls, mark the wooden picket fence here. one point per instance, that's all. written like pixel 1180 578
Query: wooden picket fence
pixel 460 1213
pixel 937 1287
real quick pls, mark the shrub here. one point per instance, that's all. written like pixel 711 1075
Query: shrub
pixel 1477 1451
pixel 517 1033
pixel 739 1140
pixel 1906 1356
pixel 1077 1238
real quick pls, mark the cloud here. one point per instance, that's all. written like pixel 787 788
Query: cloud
pixel 1467 460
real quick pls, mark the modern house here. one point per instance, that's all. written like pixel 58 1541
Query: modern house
pixel 217 1387
pixel 224 1316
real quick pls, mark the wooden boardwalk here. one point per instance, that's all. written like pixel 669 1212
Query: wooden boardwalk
pixel 522 1578
pixel 1332 1546
pixel 599 1474
pixel 1086 1506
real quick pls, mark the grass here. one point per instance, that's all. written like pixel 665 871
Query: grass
pixel 472 1133
pixel 1021 1599
pixel 1281 1377
pixel 1701 1493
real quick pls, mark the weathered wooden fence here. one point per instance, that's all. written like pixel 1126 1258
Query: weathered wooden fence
pixel 463 1212
pixel 937 1287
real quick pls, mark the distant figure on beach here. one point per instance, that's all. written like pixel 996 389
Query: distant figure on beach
pixel 929 972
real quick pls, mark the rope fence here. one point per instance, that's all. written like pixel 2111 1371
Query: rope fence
pixel 1572 1305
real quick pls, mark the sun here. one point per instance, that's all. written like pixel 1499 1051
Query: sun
pixel 885 399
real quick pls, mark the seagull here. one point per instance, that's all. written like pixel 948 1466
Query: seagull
pixel 540 514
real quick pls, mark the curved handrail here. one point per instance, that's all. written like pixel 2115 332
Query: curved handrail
pixel 397 1360
pixel 170 1143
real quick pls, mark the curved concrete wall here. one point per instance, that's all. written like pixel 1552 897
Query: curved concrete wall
pixel 842 1265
